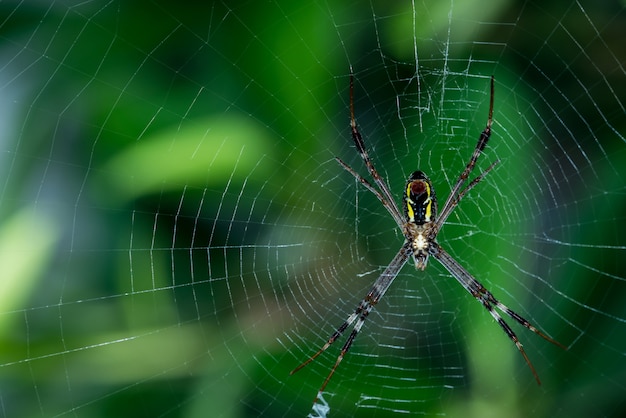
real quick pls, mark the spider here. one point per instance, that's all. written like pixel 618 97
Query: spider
pixel 420 225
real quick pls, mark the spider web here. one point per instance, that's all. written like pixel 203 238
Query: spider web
pixel 176 235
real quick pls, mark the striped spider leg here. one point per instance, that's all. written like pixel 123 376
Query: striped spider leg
pixel 420 225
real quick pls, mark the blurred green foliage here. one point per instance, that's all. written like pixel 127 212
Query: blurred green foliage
pixel 167 201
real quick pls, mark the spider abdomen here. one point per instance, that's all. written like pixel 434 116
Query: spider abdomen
pixel 419 200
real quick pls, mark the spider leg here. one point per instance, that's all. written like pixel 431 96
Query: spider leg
pixel 523 321
pixel 390 206
pixel 360 146
pixel 336 335
pixel 362 311
pixel 452 203
pixel 365 308
pixel 473 183
pixel 489 302
pixel 476 289
pixel 485 299
pixel 456 193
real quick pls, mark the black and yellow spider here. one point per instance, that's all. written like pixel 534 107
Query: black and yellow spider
pixel 420 225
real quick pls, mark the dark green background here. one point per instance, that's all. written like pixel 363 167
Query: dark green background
pixel 176 236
